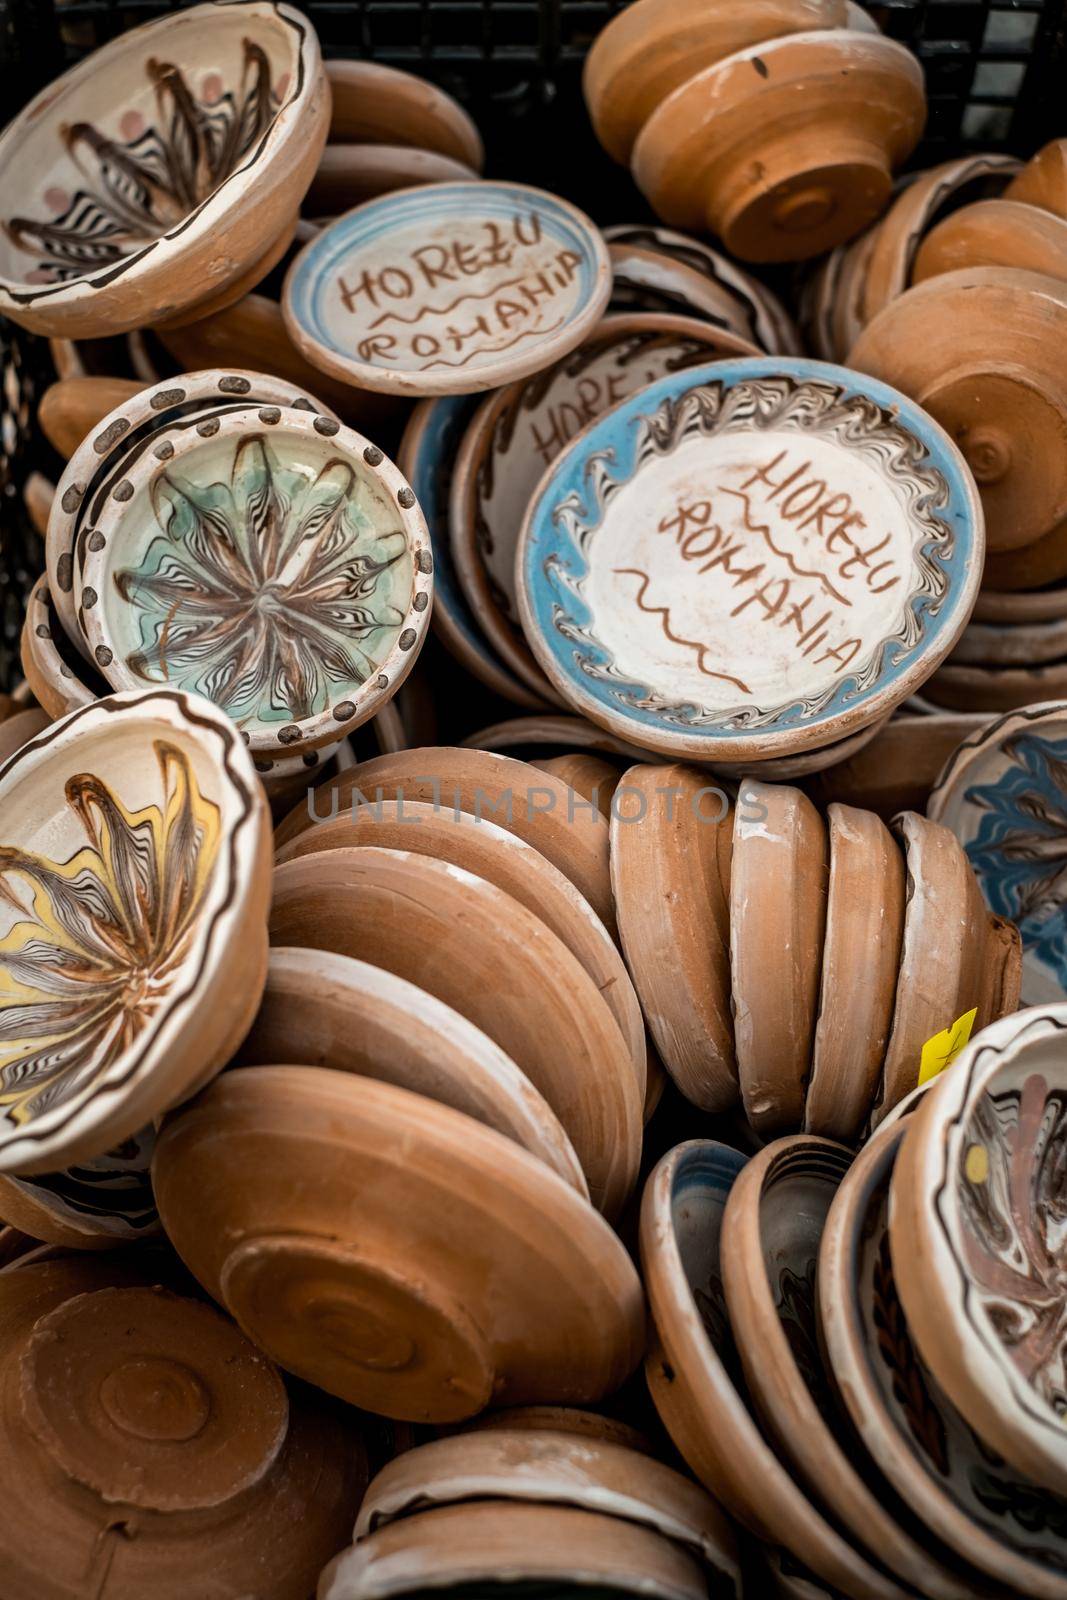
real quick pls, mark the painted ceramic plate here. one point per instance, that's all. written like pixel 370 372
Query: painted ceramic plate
pixel 135 880
pixel 748 559
pixel 976 1231
pixel 450 288
pixel 270 560
pixel 1003 794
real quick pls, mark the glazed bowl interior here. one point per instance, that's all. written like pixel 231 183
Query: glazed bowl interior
pixel 121 151
pixel 701 1186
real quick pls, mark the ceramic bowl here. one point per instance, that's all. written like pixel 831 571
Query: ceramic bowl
pixel 133 952
pixel 427 454
pixel 376 104
pixel 537 807
pixel 1043 180
pixel 457 934
pixel 942 954
pixel 1012 644
pixel 594 1426
pixel 900 766
pixel 476 845
pixel 974 1232
pixel 1031 567
pixel 269 559
pixel 157 169
pixel 371 302
pixel 1001 795
pixel 670 873
pixel 1003 976
pixel 18 729
pixel 987 1515
pixel 774 1220
pixel 787 769
pixel 587 775
pixel 535 732
pixel 468 1270
pixel 778 895
pixel 997 689
pixel 72 407
pixel 484 1548
pixel 1046 605
pixel 693 1375
pixel 95 1205
pixel 349 174
pixel 994 233
pixel 168 1420
pixel 651 280
pixel 543 1466
pixel 977 349
pixel 757 314
pixel 688 578
pixel 642 56
pixel 59 677
pixel 798 150
pixel 858 980
pixel 325 1010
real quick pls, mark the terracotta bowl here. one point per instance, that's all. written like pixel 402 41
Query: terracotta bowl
pixel 988 1516
pixel 89 253
pixel 376 104
pixel 992 690
pixel 95 1205
pixel 1030 567
pixel 348 174
pixel 539 732
pixel 1043 181
pixel 71 407
pixel 974 1233
pixel 653 280
pixel 167 1420
pixel 999 606
pixel 898 769
pixel 995 233
pixel 133 948
pixel 269 559
pixel 798 152
pixel 587 775
pixel 320 1009
pixel 60 678
pixel 1011 644
pixel 466 1272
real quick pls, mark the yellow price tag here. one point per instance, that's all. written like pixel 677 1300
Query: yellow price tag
pixel 941 1051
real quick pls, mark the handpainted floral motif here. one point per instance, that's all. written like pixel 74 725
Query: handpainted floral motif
pixel 1020 849
pixel 99 939
pixel 140 186
pixel 1013 1195
pixel 266 593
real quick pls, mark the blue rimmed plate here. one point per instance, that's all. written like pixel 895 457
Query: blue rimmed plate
pixel 450 288
pixel 750 558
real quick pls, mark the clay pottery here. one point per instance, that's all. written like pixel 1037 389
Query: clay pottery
pixel 648 51
pixel 270 559
pixel 234 291
pixel 773 1222
pixel 488 1277
pixel 518 432
pixel 427 454
pixel 455 936
pixel 481 847
pixel 17 730
pixel 1003 975
pixel 127 1406
pixel 900 766
pixel 691 1360
pixel 786 769
pixel 1043 180
pixel 915 210
pixel 676 589
pixel 942 954
pixel 978 350
pixel 647 280
pixel 348 174
pixel 69 409
pixel 995 233
pixel 798 151
pixel 325 1010
pixel 670 873
pixel 60 679
pixel 82 259
pixel 38 493
pixel 593 1426
pixel 534 805
pixel 1032 566
pixel 588 775
pixel 95 1205
pixel 997 689
pixel 970 1502
pixel 857 987
pixel 1012 645
pixel 253 334
pixel 1048 605
pixel 376 104
pixel 370 301
pixel 1001 794
pixel 543 1466
pixel 13 1246
pixel 136 875
pixel 522 733
pixel 475 1547
pixel 778 895
pixel 974 1235
pixel 757 314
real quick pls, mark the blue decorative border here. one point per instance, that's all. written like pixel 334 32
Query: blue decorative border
pixel 546 544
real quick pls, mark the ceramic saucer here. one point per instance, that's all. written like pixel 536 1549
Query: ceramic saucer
pixel 466 1271
pixel 135 868
pixel 586 774
pixel 1001 794
pixel 749 559
pixel 449 289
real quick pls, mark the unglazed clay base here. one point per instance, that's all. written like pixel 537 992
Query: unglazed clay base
pixel 449 289
pixel 745 560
